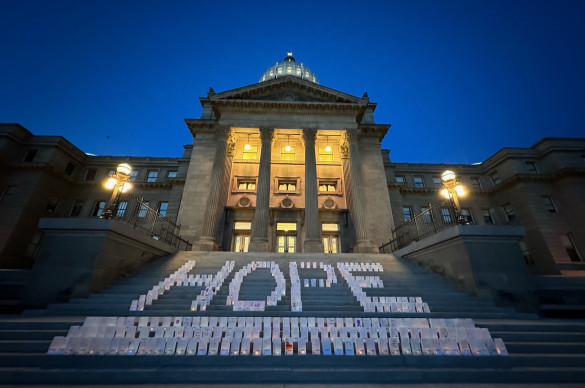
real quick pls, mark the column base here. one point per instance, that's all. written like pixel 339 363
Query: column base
pixel 313 246
pixel 205 244
pixel 258 245
pixel 365 246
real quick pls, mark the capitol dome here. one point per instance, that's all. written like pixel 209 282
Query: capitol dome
pixel 288 66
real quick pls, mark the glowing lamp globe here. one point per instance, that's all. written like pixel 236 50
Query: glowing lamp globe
pixel 328 148
pixel 460 190
pixel 445 193
pixel 247 147
pixel 287 148
pixel 448 176
pixel 125 187
pixel 110 183
pixel 124 169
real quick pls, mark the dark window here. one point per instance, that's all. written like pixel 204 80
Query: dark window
pixel 76 209
pixel 475 183
pixel 509 212
pixel 495 178
pixel 90 174
pixel 69 168
pixel 143 210
pixel 407 212
pixel 418 181
pixel 487 216
pixel 437 181
pixel 133 175
pixel 98 208
pixel 549 204
pixel 9 192
pixel 467 214
pixel 30 155
pixel 171 174
pixel 446 215
pixel 531 166
pixel 426 214
pixel 162 208
pixel 52 204
pixel 399 178
pixel 569 244
pixel 151 176
pixel 121 208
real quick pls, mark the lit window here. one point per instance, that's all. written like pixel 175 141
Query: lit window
pixel 162 208
pixel 76 209
pixel 437 181
pixel 399 178
pixel 569 244
pixel 330 227
pixel 306 74
pixel 446 215
pixel 287 185
pixel 495 178
pixel 247 184
pixel 271 73
pixel 531 166
pixel 121 208
pixel 286 226
pixel 509 212
pixel 251 153
pixel 298 71
pixel 152 175
pixel 264 78
pixel 279 70
pixel 324 155
pixel 475 183
pixel 98 208
pixel 90 174
pixel 287 152
pixel 133 175
pixel 466 213
pixel 418 181
pixel 407 212
pixel 549 205
pixel 289 69
pixel 143 210
pixel 487 216
pixel 242 225
pixel 172 174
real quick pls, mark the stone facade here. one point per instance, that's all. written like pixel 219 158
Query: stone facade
pixel 288 165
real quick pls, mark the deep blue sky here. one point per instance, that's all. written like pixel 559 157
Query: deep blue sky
pixel 458 80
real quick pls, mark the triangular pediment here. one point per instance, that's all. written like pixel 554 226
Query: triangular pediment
pixel 285 89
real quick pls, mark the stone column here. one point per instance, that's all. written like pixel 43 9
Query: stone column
pixel 313 241
pixel 259 233
pixel 364 243
pixel 214 208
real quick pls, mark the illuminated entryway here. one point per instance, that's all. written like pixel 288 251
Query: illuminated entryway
pixel 241 238
pixel 330 238
pixel 286 237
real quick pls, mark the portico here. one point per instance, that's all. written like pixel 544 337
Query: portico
pixel 286 161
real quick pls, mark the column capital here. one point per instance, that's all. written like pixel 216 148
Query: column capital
pixel 309 135
pixel 344 145
pixel 223 132
pixel 266 134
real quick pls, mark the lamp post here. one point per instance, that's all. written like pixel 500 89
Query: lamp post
pixel 119 184
pixel 453 190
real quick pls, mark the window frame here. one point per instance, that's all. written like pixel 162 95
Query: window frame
pixel 97 209
pixel 244 179
pixel 549 204
pixel 329 181
pixel 509 212
pixel 160 207
pixel 148 178
pixel 421 183
pixel 288 180
pixel 410 214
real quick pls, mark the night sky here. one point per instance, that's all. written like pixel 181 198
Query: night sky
pixel 458 80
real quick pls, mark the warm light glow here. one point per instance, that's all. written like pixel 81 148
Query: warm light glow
pixel 287 148
pixel 124 169
pixel 445 193
pixel 460 190
pixel 247 147
pixel 328 148
pixel 125 187
pixel 448 176
pixel 110 183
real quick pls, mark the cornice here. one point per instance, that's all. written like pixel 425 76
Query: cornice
pixel 201 126
pixel 373 130
pixel 286 107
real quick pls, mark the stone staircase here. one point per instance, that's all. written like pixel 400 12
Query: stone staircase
pixel 541 351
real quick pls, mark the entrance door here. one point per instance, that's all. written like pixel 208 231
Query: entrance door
pixel 241 242
pixel 286 244
pixel 330 243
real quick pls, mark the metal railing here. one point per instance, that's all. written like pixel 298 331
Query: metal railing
pixel 432 220
pixel 137 213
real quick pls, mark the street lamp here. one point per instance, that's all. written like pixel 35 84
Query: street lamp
pixel 118 182
pixel 453 190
